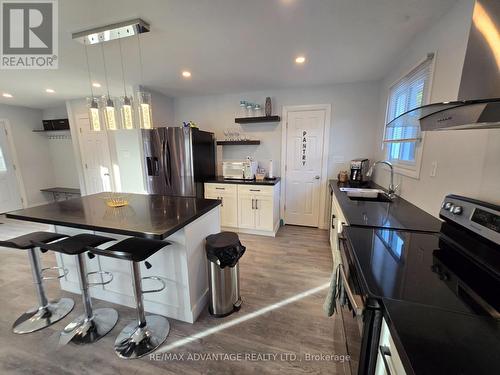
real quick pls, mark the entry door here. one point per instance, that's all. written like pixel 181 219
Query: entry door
pixel 97 166
pixel 10 198
pixel 304 155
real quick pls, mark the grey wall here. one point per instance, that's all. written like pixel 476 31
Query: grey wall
pixel 61 152
pixel 353 123
pixel 467 159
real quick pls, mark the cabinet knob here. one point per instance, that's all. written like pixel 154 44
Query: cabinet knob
pixel 316 177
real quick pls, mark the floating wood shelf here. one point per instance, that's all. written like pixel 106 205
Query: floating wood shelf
pixel 252 120
pixel 50 131
pixel 236 143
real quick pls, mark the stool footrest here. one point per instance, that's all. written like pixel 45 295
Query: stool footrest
pixel 102 273
pixel 64 274
pixel 163 284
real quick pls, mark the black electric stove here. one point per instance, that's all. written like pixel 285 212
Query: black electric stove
pixel 456 269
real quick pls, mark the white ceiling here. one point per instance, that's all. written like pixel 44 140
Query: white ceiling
pixel 228 45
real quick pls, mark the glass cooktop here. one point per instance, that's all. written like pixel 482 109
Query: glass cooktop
pixel 426 268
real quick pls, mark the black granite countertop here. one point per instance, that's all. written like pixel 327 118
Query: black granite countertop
pixel 398 214
pixel 435 341
pixel 221 180
pixel 149 216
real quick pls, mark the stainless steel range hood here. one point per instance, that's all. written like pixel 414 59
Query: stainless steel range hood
pixel 478 104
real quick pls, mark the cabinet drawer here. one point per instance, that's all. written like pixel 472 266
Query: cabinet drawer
pixel 221 188
pixel 256 190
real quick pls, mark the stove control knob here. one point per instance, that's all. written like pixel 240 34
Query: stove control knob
pixel 447 205
pixel 456 210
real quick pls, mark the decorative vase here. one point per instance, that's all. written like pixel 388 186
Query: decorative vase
pixel 269 107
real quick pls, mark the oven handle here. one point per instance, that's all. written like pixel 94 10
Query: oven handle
pixel 386 352
pixel 356 302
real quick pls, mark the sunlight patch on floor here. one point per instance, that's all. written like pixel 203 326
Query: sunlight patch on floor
pixel 244 318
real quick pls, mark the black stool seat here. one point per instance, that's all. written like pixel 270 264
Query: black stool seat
pixel 134 249
pixel 75 245
pixel 26 241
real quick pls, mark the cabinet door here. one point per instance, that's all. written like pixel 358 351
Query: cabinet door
pixel 246 211
pixel 264 218
pixel 229 210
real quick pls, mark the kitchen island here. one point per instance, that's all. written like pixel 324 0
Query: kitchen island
pixel 183 222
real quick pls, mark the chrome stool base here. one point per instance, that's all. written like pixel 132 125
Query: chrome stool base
pixel 43 317
pixel 83 330
pixel 136 342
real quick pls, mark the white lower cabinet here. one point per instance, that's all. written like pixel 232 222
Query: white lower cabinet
pixel 228 195
pixel 247 208
pixel 388 359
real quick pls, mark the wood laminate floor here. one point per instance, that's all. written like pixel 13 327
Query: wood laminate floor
pixel 280 326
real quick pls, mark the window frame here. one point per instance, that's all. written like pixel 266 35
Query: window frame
pixel 402 167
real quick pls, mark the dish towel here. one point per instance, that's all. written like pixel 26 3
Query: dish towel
pixel 335 290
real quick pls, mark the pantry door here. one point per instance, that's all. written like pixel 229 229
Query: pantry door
pixel 305 168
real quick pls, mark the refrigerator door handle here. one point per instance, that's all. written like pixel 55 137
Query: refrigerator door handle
pixel 164 156
pixel 169 165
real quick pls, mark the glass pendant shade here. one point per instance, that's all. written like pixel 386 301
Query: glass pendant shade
pixel 144 108
pixel 93 109
pixel 109 113
pixel 127 113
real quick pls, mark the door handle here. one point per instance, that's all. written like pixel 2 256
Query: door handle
pixel 256 204
pixel 316 177
pixel 356 305
pixel 253 208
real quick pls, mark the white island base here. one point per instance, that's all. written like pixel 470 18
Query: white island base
pixel 182 265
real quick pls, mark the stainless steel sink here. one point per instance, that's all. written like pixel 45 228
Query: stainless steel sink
pixel 363 194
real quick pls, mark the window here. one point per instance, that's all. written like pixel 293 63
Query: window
pixel 3 167
pixel 408 93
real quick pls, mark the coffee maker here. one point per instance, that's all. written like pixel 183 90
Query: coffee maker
pixel 359 169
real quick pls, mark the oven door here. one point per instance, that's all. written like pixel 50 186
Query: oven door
pixel 361 318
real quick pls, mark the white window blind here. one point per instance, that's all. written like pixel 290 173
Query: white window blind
pixel 407 94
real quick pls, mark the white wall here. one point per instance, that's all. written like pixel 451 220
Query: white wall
pixel 32 151
pixel 61 152
pixel 353 124
pixel 467 159
pixel 55 113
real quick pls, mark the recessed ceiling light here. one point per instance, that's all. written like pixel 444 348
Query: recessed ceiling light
pixel 96 84
pixel 50 91
pixel 186 74
pixel 300 60
pixel 6 95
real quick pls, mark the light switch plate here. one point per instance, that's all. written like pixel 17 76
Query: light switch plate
pixel 434 166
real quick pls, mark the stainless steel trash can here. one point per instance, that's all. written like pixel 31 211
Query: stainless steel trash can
pixel 224 288
pixel 223 252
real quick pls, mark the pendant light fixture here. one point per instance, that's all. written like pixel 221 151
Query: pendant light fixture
pixel 101 35
pixel 92 103
pixel 143 99
pixel 126 108
pixel 108 105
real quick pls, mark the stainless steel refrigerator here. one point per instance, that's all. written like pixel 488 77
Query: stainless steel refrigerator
pixel 178 160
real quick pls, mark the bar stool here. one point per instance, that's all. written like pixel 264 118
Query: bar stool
pixel 46 313
pixel 93 324
pixel 143 337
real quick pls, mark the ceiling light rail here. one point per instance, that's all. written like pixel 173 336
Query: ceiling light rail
pixel 112 32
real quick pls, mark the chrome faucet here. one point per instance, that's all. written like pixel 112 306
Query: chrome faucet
pixel 392 188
